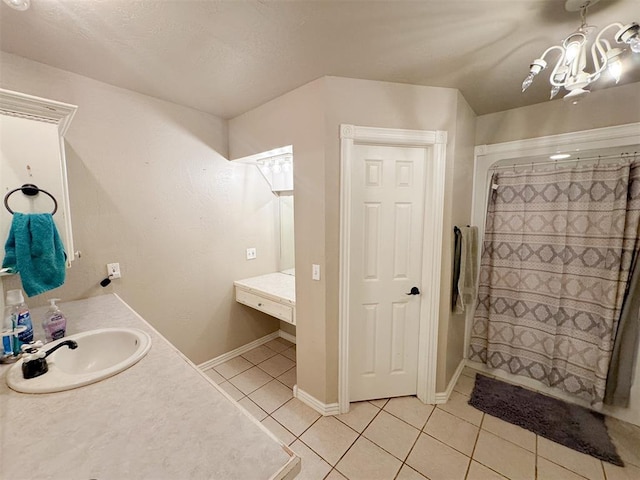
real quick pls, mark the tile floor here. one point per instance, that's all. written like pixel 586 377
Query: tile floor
pixel 403 439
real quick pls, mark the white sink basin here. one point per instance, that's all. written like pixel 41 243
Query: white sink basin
pixel 100 354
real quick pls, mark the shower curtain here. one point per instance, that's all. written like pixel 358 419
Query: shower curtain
pixel 558 251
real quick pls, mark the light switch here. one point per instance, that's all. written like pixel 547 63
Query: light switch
pixel 315 272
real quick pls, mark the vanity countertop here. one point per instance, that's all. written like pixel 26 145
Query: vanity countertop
pixel 277 286
pixel 161 418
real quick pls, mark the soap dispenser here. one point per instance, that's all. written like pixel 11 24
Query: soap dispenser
pixel 54 323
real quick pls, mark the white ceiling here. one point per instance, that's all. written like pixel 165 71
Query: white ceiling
pixel 226 57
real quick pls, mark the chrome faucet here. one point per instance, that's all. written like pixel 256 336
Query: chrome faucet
pixel 34 360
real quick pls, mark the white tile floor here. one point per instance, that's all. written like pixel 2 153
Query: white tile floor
pixel 402 438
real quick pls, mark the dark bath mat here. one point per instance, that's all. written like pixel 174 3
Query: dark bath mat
pixel 573 426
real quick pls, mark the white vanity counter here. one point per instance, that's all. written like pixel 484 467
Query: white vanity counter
pixel 273 293
pixel 161 418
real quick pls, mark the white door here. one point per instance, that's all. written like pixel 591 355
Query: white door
pixel 387 211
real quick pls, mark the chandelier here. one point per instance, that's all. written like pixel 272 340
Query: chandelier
pixel 570 70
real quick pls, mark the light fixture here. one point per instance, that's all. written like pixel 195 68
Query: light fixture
pixel 276 164
pixel 570 70
pixel 286 165
pixel 18 4
pixel 559 156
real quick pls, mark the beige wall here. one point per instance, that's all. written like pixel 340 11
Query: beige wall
pixel 150 188
pixel 309 118
pixel 296 118
pixel 461 190
pixel 602 108
pixel 393 105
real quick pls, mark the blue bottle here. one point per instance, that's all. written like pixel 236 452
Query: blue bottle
pixel 21 317
pixel 7 326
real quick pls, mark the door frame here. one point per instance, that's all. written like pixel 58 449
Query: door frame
pixel 434 142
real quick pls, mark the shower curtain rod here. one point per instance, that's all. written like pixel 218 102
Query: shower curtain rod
pixel 620 156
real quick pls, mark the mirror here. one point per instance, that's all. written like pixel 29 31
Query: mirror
pixel 276 167
pixel 24 118
pixel 287 244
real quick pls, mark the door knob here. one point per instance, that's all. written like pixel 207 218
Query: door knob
pixel 414 291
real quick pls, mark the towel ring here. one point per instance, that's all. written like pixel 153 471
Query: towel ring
pixel 31 190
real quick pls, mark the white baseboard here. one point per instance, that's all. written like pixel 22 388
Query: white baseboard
pixel 324 409
pixel 214 362
pixel 287 336
pixel 443 397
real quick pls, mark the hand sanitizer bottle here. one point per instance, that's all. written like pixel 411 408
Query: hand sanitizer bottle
pixel 54 323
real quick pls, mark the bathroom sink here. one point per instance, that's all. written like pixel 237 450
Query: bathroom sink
pixel 100 354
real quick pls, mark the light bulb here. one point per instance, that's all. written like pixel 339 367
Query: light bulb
pixel 559 156
pixel 615 69
pixel 265 166
pixel 528 81
pixel 572 51
pixel 554 91
pixel 560 73
pixel 634 44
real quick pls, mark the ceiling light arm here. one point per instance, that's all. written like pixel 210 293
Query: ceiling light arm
pixel 630 34
pixel 550 49
pixel 602 46
pixel 574 44
pixel 559 73
pixel 540 64
pixel 615 24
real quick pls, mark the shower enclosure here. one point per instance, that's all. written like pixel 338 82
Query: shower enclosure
pixel 604 146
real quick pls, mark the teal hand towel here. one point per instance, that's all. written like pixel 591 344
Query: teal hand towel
pixel 34 249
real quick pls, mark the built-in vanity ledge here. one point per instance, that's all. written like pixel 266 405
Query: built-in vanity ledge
pixel 273 294
pixel 162 418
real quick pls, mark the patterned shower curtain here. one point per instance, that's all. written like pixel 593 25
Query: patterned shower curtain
pixel 558 249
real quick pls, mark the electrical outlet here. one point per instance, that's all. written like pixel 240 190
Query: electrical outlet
pixel 113 270
pixel 251 253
